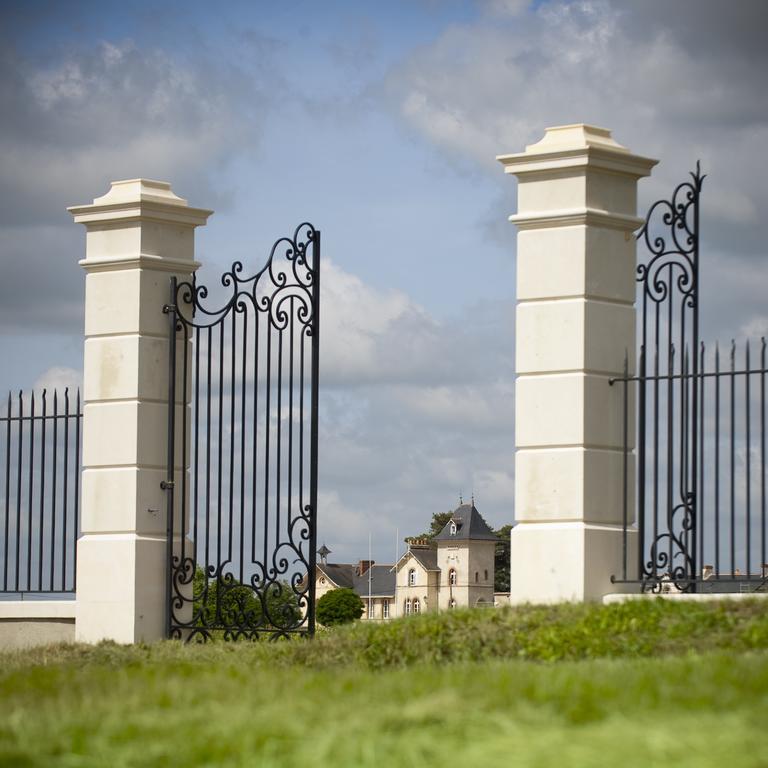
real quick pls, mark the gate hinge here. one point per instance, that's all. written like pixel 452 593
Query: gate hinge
pixel 166 485
pixel 168 308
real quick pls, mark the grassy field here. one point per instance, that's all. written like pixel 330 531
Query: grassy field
pixel 641 684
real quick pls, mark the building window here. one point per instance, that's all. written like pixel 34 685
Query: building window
pixel 452 577
pixel 453 528
pixel 412 577
pixel 385 609
pixel 452 604
pixel 322 581
pixel 416 605
pixel 477 577
pixel 407 606
pixel 371 609
pixel 486 575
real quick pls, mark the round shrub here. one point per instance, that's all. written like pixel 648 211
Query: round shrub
pixel 339 606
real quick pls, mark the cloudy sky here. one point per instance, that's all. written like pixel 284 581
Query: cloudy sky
pixel 379 122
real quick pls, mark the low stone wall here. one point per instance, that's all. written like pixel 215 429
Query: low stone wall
pixel 24 623
pixel 702 597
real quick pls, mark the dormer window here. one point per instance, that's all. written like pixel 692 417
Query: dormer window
pixel 412 577
pixel 452 529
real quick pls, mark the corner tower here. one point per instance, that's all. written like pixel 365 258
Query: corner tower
pixel 465 557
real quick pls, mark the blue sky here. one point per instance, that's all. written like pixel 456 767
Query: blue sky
pixel 379 122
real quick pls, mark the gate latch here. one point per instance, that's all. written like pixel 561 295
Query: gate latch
pixel 166 485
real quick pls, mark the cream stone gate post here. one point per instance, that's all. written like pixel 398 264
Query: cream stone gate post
pixel 138 235
pixel 577 209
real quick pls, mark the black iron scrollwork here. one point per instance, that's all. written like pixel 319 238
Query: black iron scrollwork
pixel 676 251
pixel 669 297
pixel 242 544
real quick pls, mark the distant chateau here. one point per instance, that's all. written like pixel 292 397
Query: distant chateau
pixel 453 570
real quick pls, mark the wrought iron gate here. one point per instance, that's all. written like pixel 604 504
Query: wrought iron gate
pixel 242 521
pixel 700 493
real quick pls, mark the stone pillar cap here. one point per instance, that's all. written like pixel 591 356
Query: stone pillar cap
pixel 577 145
pixel 132 199
pixel 135 190
pixel 573 136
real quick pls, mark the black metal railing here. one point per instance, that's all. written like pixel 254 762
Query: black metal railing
pixel 40 492
pixel 715 539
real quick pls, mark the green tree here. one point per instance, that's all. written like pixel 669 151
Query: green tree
pixel 238 604
pixel 501 559
pixel 339 606
pixel 438 522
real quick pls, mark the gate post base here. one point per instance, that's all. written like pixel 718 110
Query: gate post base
pixel 121 588
pixel 555 562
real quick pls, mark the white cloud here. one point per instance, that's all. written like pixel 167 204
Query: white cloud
pixel 91 115
pixel 59 378
pixel 492 85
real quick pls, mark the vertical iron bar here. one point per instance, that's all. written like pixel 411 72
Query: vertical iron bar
pixel 30 501
pixel 670 454
pixel 7 492
pixel 267 440
pixel 54 459
pixel 195 479
pixel 701 488
pixel 314 438
pixel 301 417
pixel 290 414
pixel 763 561
pixel 749 462
pixel 625 467
pixel 18 492
pixel 219 470
pixel 65 506
pixel 733 458
pixel 656 430
pixel 76 521
pixel 685 533
pixel 196 499
pixel 183 526
pixel 695 405
pixel 209 358
pixel 243 414
pixel 279 427
pixel 170 458
pixel 42 489
pixel 717 459
pixel 255 456
pixel 640 482
pixel 233 376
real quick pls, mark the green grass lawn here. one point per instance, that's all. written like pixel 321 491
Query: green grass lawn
pixel 642 684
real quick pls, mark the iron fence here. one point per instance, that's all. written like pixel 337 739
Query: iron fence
pixel 713 539
pixel 40 452
pixel 699 498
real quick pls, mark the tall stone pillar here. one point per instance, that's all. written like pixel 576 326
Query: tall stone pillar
pixel 577 210
pixel 138 235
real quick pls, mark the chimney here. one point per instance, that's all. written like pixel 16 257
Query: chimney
pixel 363 566
pixel 415 543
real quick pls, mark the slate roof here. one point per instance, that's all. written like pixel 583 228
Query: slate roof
pixel 427 557
pixel 469 526
pixel 346 575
